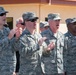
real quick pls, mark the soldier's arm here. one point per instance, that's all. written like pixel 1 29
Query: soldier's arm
pixel 47 49
pixel 4 41
pixel 47 45
pixel 23 44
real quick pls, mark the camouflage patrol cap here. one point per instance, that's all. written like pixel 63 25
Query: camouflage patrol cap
pixel 43 24
pixel 29 16
pixel 70 20
pixel 54 16
pixel 74 20
pixel 2 10
pixel 46 24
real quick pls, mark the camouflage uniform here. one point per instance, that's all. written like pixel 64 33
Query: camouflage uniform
pixel 52 61
pixel 7 58
pixel 29 53
pixel 70 54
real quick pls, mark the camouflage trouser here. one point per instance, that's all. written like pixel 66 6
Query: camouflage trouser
pixel 6 74
pixel 53 74
pixel 29 74
pixel 70 73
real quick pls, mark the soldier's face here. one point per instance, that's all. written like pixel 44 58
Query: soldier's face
pixel 42 29
pixel 72 27
pixel 46 27
pixel 54 25
pixel 31 25
pixel 2 19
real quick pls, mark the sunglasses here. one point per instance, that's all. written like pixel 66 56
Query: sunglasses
pixel 32 20
pixel 22 24
pixel 2 14
pixel 74 23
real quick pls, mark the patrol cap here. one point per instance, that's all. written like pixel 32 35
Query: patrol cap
pixel 70 20
pixel 44 24
pixel 74 20
pixel 41 25
pixel 29 16
pixel 2 10
pixel 54 16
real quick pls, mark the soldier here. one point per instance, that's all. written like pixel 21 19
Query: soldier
pixel 28 45
pixel 19 23
pixel 7 58
pixel 52 60
pixel 70 53
pixel 44 26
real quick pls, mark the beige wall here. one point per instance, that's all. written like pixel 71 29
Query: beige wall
pixel 17 10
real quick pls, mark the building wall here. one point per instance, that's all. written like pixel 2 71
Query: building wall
pixel 65 12
pixel 41 10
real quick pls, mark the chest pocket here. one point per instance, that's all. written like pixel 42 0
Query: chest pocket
pixel 31 41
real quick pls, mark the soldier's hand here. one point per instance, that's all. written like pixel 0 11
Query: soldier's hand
pixel 50 46
pixel 11 34
pixel 18 32
pixel 41 40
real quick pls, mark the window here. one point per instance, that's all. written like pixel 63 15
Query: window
pixel 10 22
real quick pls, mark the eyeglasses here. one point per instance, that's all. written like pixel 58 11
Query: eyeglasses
pixel 2 14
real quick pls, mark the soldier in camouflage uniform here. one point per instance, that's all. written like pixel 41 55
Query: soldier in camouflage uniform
pixel 43 26
pixel 7 58
pixel 70 53
pixel 28 45
pixel 52 60
pixel 19 23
